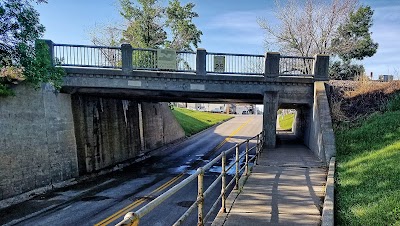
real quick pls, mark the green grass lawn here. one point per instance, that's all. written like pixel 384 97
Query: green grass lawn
pixel 368 172
pixel 195 121
pixel 286 121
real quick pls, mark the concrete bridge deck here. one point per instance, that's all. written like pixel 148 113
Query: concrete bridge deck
pixel 286 188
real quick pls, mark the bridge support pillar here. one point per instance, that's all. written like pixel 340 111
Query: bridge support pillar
pixel 271 100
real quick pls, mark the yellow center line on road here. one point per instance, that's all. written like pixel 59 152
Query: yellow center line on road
pixel 234 133
pixel 138 202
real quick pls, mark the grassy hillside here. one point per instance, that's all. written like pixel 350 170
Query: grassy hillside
pixel 286 122
pixel 368 171
pixel 195 121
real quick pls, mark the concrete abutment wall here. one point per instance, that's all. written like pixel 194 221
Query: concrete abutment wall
pixel 37 140
pixel 107 131
pixel 110 131
pixel 321 139
pixel 159 125
pixel 47 138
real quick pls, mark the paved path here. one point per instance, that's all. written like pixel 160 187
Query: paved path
pixel 286 188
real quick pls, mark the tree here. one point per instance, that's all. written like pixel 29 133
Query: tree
pixel 22 57
pixel 307 28
pixel 353 42
pixel 332 27
pixel 19 28
pixel 184 31
pixel 144 29
pixel 346 71
pixel 148 24
pixel 354 38
pixel 107 35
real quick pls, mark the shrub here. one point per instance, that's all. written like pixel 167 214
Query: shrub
pixel 394 103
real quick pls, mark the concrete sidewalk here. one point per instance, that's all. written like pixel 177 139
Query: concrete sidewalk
pixel 286 188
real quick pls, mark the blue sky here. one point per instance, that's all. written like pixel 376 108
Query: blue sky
pixel 228 26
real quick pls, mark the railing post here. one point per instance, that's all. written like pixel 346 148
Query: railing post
pixel 130 219
pixel 272 64
pixel 200 198
pixel 262 141
pixel 223 183
pixel 50 44
pixel 237 167
pixel 258 148
pixel 201 61
pixel 321 67
pixel 247 158
pixel 126 50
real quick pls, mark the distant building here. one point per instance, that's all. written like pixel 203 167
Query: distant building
pixel 385 78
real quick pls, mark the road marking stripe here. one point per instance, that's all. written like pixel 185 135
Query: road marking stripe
pixel 234 133
pixel 133 205
pixel 138 202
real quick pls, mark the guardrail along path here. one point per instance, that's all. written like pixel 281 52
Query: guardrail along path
pixel 286 188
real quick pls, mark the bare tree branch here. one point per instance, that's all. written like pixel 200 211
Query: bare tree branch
pixel 308 28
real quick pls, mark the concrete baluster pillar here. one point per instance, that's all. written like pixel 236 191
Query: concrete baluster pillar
pixel 271 100
pixel 201 61
pixel 50 44
pixel 126 50
pixel 272 64
pixel 321 67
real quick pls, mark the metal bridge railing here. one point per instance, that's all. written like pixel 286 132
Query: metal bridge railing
pixel 87 56
pixel 242 64
pixel 200 62
pixel 186 61
pixel 133 218
pixel 290 65
pixel 144 59
pixel 111 57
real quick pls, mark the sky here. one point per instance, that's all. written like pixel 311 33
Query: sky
pixel 228 26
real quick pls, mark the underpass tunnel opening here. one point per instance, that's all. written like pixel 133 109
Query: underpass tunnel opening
pixel 285 121
pixel 292 125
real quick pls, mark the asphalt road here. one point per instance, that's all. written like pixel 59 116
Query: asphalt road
pixel 105 200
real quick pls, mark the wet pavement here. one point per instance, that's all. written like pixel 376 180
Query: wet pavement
pixel 104 200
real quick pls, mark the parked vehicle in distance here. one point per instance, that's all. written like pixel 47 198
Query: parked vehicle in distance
pixel 216 110
pixel 245 112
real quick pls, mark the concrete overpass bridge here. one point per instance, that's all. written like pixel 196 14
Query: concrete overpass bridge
pixel 104 115
pixel 273 80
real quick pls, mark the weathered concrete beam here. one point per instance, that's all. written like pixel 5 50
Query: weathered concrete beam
pixel 170 86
